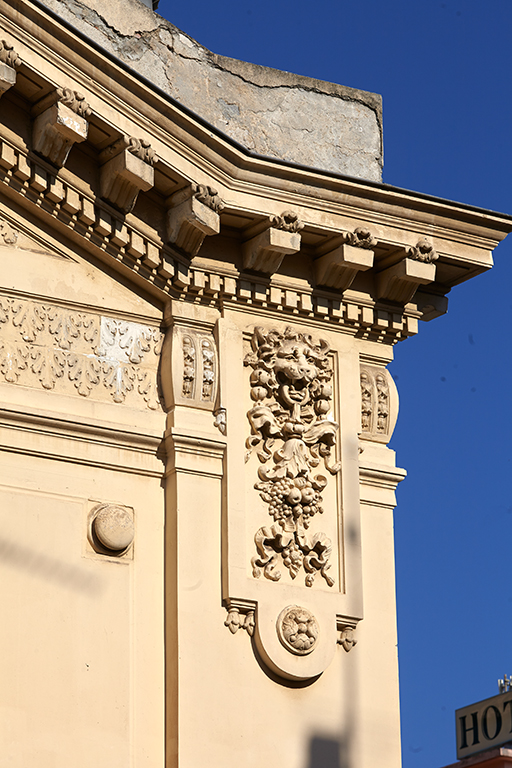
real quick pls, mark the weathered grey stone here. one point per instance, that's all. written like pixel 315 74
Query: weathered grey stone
pixel 273 113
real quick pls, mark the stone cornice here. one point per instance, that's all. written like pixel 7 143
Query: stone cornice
pixel 253 193
pixel 173 123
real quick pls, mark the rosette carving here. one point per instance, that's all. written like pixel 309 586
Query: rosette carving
pixel 291 433
pixel 297 630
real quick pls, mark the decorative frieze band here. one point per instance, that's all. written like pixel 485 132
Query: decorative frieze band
pixel 75 352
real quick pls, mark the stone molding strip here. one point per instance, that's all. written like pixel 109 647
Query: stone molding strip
pixel 48 436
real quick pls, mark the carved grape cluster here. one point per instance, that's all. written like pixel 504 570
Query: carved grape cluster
pixel 291 497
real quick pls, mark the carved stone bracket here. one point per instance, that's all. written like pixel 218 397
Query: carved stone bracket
pixel 60 121
pixel 400 282
pixel 193 214
pixel 347 638
pixel 265 252
pixel 9 63
pixel 338 268
pixel 127 170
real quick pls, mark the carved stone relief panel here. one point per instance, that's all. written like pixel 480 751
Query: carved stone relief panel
pixel 292 433
pixel 292 561
pixel 69 351
pixel 379 404
pixel 191 355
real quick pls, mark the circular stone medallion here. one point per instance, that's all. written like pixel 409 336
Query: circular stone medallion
pixel 297 630
pixel 113 527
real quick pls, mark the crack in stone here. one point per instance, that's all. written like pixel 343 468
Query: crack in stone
pixel 165 44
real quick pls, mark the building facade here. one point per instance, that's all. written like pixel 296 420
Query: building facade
pixel 197 493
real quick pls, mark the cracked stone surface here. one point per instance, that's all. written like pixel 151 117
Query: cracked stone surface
pixel 272 113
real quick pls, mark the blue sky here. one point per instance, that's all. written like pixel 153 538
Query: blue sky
pixel 444 71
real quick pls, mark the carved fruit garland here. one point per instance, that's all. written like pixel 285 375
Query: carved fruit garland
pixel 291 384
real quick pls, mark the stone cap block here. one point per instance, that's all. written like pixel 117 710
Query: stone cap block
pixel 261 108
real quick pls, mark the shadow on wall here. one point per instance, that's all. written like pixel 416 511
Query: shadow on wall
pixel 327 753
pixel 41 566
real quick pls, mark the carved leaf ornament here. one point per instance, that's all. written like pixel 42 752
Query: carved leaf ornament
pixel 8 55
pixel 291 433
pixel 48 346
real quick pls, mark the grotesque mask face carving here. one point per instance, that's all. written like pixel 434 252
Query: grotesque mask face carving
pixel 289 367
pixel 295 368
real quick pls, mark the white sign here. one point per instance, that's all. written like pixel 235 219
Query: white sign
pixel 484 725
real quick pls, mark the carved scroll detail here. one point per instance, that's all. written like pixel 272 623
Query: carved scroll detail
pixel 208 196
pixel 75 101
pixel 423 251
pixel 291 384
pixel 287 221
pixel 138 147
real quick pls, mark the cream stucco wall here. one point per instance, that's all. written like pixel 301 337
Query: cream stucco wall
pixel 196 542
